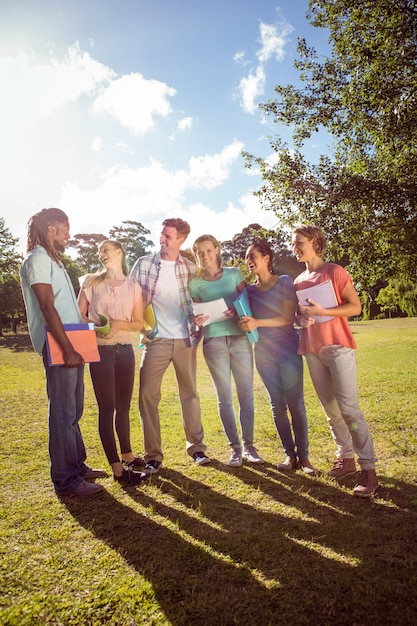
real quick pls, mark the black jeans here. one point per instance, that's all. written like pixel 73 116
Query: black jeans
pixel 113 379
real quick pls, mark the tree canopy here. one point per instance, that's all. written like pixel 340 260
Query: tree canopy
pixel 12 307
pixel 131 234
pixel 365 95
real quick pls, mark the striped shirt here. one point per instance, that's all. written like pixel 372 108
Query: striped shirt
pixel 146 272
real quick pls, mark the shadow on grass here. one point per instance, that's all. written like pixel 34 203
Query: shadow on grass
pixel 324 558
pixel 17 343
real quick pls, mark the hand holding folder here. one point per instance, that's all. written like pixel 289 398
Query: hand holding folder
pixel 243 309
pixel 82 338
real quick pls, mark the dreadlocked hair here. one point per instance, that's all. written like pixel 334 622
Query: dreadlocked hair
pixel 38 229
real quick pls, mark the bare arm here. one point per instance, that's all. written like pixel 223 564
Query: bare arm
pixel 285 319
pixel 83 305
pixel 45 296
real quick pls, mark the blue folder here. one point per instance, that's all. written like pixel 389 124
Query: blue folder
pixel 243 309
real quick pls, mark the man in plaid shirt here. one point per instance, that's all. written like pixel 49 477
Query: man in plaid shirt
pixel 164 279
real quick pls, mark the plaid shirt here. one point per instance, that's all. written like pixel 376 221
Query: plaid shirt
pixel 146 271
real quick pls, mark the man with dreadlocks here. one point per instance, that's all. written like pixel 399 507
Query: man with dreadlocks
pixel 50 299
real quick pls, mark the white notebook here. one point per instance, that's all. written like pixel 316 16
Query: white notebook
pixel 323 294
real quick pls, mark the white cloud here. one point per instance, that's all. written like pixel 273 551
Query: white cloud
pixel 185 124
pixel 212 171
pixel 240 58
pixel 252 87
pixel 147 194
pixel 36 87
pixel 134 101
pixel 97 144
pixel 273 38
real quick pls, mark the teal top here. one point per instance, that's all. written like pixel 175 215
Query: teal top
pixel 225 287
pixel 39 267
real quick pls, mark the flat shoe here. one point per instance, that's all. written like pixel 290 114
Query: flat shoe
pixel 138 461
pixel 129 477
pixel 288 465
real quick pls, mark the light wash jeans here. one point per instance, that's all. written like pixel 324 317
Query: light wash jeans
pixel 333 372
pixel 282 375
pixel 226 356
pixel 156 358
pixel 65 389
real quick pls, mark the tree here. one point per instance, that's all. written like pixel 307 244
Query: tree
pixel 132 236
pixel 10 259
pixel 364 95
pixel 235 249
pixel 12 306
pixel 74 271
pixel 87 245
pixel 398 295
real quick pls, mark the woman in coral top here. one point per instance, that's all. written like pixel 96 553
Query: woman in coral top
pixel 329 348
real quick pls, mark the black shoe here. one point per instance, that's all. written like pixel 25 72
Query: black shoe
pixel 152 467
pixel 138 461
pixel 129 477
pixel 200 458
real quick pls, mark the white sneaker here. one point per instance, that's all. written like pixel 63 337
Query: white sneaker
pixel 251 455
pixel 235 458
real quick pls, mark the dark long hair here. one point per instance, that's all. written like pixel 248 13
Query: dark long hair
pixel 38 229
pixel 265 250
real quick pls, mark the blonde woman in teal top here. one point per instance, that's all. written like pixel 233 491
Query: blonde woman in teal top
pixel 226 348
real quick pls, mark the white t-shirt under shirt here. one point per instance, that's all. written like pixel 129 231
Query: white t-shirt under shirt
pixel 167 304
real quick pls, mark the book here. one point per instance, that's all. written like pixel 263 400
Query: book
pixel 83 338
pixel 243 309
pixel 150 323
pixel 149 319
pixel 215 309
pixel 323 294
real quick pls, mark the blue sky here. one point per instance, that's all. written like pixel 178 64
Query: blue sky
pixel 136 110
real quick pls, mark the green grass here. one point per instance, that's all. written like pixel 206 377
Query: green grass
pixel 214 545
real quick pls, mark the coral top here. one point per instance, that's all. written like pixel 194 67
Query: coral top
pixel 335 331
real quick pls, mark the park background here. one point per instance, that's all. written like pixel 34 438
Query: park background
pixel 213 544
pixel 301 112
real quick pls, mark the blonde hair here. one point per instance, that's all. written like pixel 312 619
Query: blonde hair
pixel 315 234
pixel 100 275
pixel 216 244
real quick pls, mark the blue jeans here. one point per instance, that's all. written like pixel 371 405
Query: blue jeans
pixel 65 389
pixel 282 375
pixel 113 379
pixel 226 356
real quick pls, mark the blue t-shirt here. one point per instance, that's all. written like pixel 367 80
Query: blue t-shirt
pixel 267 304
pixel 39 267
pixel 225 287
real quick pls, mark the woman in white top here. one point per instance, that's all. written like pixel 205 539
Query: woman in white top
pixel 112 293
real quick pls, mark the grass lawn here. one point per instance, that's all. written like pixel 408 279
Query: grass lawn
pixel 214 545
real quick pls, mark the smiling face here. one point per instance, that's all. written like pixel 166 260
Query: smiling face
pixel 170 242
pixel 208 255
pixel 256 262
pixel 109 254
pixel 58 235
pixel 303 248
